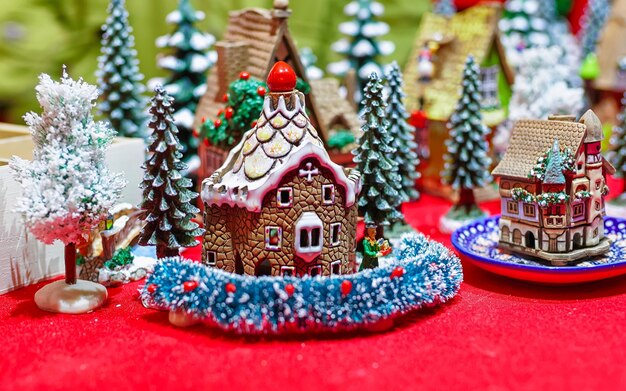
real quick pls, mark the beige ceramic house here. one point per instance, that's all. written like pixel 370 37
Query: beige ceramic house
pixel 552 185
pixel 279 205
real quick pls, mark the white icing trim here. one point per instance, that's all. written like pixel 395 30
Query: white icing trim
pixel 253 201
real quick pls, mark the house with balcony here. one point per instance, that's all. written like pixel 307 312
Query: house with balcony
pixel 552 187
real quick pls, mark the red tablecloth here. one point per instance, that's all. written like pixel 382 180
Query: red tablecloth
pixel 496 334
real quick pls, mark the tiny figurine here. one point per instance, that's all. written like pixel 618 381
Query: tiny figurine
pixel 67 188
pixel 382 186
pixel 553 185
pixel 403 134
pixel 278 205
pixel 254 40
pixel 167 200
pixel 467 163
pixel 425 67
pixel 471 31
pixel 361 49
pixel 188 63
pixel 119 79
pixel 373 248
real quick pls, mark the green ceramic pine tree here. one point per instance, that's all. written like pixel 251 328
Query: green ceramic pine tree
pixel 167 200
pixel 118 75
pixel 467 163
pixel 187 65
pixel 380 197
pixel 402 133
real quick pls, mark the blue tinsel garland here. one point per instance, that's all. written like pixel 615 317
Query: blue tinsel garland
pixel 425 273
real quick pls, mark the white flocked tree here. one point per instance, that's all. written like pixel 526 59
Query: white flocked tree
pixel 67 188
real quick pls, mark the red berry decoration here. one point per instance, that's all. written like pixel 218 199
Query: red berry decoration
pixel 220 111
pixel 217 123
pixel 206 142
pixel 290 289
pixel 152 288
pixel 346 287
pixel 188 286
pixel 253 124
pixel 398 271
pixel 261 91
pixel 281 78
pixel 195 133
pixel 244 75
pixel 203 119
pixel 231 288
pixel 229 113
pixel 225 98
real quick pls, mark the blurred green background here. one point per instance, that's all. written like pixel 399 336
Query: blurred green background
pixel 40 35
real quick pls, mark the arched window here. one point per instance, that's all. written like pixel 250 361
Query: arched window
pixel 530 239
pixel 517 236
pixel 505 234
pixel 263 268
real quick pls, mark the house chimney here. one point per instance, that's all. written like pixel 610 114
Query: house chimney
pixel 280 14
pixel 562 117
pixel 232 58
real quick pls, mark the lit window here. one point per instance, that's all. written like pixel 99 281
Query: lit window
pixel 315 270
pixel 335 231
pixel 595 232
pixel 597 205
pixel 284 197
pixel 211 258
pixel 335 267
pixel 328 194
pixel 273 237
pixel 287 271
pixel 598 184
pixel 529 210
pixel 309 239
pixel 512 207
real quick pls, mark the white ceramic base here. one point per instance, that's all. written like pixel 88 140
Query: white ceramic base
pixel 79 298
pixel 182 319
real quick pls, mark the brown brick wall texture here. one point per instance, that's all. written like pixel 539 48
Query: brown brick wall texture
pixel 235 230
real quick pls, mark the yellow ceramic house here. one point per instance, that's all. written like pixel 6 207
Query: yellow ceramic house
pixel 471 32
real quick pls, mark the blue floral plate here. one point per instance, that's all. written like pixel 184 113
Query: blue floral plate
pixel 478 242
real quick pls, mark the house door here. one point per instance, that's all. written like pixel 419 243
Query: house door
pixel 530 239
pixel 578 241
pixel 238 263
pixel 263 268
pixel 553 246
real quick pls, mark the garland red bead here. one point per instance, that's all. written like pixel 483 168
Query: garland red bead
pixel 398 271
pixel 261 91
pixel 152 288
pixel 228 113
pixel 189 286
pixel 290 289
pixel 346 287
pixel 231 288
pixel 225 98
pixel 217 123
pixel 244 75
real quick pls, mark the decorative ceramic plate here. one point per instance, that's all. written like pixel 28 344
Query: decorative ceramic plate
pixel 478 242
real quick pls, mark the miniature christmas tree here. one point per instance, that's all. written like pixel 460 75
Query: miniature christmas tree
pixel 618 152
pixel 309 61
pixel 362 49
pixel 167 199
pixel 523 25
pixel 444 7
pixel 545 85
pixel 402 133
pixel 118 75
pixel 381 196
pixel 187 67
pixel 244 103
pixel 593 20
pixel 67 188
pixel 467 163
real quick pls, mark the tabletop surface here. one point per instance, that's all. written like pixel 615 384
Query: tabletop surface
pixel 496 334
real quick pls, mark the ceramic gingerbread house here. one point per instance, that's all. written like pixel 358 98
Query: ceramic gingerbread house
pixel 442 46
pixel 552 185
pixel 279 205
pixel 255 39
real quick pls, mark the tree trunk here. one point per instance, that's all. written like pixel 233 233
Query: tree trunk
pixel 70 263
pixel 466 199
pixel 164 252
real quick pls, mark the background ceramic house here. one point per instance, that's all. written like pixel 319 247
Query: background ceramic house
pixel 609 86
pixel 279 205
pixel 552 185
pixel 254 41
pixel 473 31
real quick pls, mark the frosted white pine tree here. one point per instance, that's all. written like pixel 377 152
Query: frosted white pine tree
pixel 119 78
pixel 524 25
pixel 362 47
pixel 593 20
pixel 309 60
pixel 188 61
pixel 67 188
pixel 544 86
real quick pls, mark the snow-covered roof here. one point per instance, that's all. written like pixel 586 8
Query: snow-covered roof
pixel 281 140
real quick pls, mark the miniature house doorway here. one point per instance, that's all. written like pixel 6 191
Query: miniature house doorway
pixel 238 263
pixel 263 268
pixel 530 239
pixel 577 242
